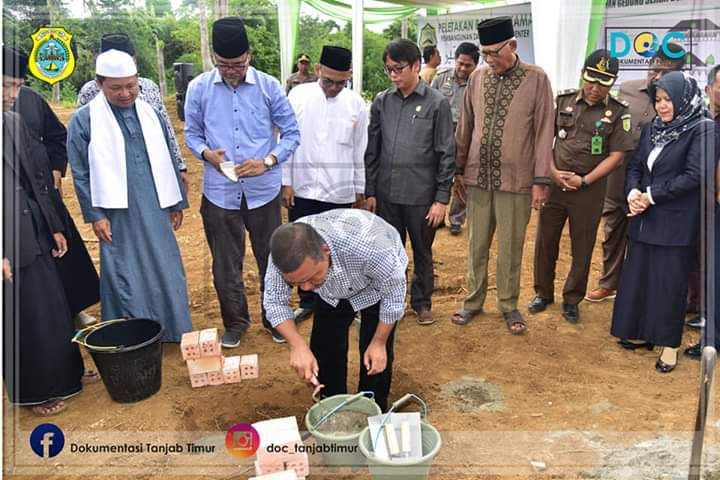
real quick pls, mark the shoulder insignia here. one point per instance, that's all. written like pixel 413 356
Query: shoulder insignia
pixel 569 91
pixel 620 101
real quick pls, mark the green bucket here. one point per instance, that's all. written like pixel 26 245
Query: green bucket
pixel 416 469
pixel 340 450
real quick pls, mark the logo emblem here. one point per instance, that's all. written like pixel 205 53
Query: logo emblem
pixel 626 122
pixel 51 58
pixel 47 440
pixel 242 440
pixel 428 36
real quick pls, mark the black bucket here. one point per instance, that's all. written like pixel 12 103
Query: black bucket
pixel 128 354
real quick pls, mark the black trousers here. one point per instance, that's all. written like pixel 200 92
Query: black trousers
pixel 225 233
pixel 302 208
pixel 329 344
pixel 409 220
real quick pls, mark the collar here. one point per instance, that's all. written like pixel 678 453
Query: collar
pixel 250 76
pixel 420 89
pixel 509 70
pixel 579 97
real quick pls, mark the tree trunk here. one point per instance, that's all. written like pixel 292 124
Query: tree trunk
pixel 204 46
pixel 161 67
pixel 404 28
pixel 221 9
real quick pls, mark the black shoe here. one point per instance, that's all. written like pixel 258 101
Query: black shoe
pixel 302 313
pixel 539 304
pixel 455 229
pixel 571 313
pixel 628 345
pixel 231 339
pixel 694 352
pixel 277 338
pixel 663 367
pixel 696 322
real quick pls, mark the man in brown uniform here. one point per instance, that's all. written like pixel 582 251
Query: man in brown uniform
pixel 614 215
pixel 503 171
pixel 592 136
pixel 303 74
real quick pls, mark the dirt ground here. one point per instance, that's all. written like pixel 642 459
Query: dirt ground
pixel 563 395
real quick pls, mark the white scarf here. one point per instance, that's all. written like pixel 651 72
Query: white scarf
pixel 106 156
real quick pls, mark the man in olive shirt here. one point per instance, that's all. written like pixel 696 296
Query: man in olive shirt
pixel 592 136
pixel 303 74
pixel 504 155
pixel 614 215
pixel 451 82
pixel 410 162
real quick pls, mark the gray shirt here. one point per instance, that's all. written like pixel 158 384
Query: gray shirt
pixel 410 157
pixel 367 266
pixel 454 90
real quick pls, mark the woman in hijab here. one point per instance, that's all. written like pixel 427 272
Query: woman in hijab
pixel 663 192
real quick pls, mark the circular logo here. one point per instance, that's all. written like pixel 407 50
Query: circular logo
pixel 47 440
pixel 52 57
pixel 242 440
pixel 646 44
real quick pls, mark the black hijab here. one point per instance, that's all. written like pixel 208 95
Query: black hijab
pixel 688 107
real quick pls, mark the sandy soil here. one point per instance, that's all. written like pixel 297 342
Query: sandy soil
pixel 565 395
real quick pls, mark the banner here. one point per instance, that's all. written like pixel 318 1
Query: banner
pixel 635 29
pixel 449 31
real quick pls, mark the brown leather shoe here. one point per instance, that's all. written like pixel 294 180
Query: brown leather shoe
pixel 600 294
pixel 425 317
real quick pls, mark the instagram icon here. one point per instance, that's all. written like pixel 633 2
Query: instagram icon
pixel 242 440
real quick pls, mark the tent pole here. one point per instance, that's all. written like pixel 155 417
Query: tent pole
pixel 357 44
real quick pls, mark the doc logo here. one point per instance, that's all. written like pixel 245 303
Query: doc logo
pixel 47 440
pixel 640 41
pixel 242 440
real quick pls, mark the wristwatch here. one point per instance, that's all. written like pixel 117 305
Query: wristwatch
pixel 270 161
pixel 583 182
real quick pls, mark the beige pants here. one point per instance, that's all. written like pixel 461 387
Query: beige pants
pixel 509 214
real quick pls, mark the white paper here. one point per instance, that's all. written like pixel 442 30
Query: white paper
pixel 379 440
pixel 228 169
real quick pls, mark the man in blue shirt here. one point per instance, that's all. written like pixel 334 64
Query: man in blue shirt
pixel 231 113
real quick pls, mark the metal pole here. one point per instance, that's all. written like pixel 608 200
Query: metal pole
pixel 357 44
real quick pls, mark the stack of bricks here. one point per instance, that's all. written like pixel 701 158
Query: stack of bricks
pixel 283 438
pixel 206 365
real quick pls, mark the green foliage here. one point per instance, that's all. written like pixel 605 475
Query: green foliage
pixel 179 33
pixel 393 31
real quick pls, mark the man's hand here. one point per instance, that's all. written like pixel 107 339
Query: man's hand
pixel 287 196
pixel 250 168
pixel 375 358
pixel 459 188
pixel 176 218
pixel 435 215
pixel 185 182
pixel 57 181
pixel 304 363
pixel 561 177
pixel 214 157
pixel 539 196
pixel 359 200
pixel 371 204
pixel 61 246
pixel 575 182
pixel 102 230
pixel 7 270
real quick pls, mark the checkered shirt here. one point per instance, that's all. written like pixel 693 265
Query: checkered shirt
pixel 367 266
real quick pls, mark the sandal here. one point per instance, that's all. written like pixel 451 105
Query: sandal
pixel 90 376
pixel 51 407
pixel 463 316
pixel 515 322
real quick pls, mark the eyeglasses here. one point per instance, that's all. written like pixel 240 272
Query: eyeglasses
pixel 233 66
pixel 327 83
pixel 493 53
pixel 395 70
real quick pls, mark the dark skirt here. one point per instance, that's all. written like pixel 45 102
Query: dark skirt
pixel 77 272
pixel 651 297
pixel 40 362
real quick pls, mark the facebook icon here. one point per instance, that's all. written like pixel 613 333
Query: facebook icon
pixel 47 440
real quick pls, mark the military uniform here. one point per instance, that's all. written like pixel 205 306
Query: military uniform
pixel 454 90
pixel 584 136
pixel 295 79
pixel 614 214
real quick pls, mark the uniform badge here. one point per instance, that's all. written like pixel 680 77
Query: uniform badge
pixel 608 113
pixel 51 59
pixel 418 108
pixel 568 109
pixel 562 133
pixel 626 122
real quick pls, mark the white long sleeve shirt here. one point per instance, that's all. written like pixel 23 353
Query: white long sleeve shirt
pixel 329 164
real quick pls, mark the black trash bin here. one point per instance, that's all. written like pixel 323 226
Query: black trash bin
pixel 183 73
pixel 128 355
